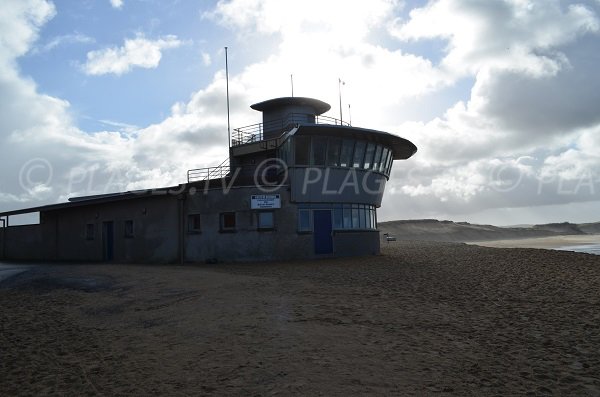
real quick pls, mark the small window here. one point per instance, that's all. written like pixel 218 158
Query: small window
pixel 129 228
pixel 90 231
pixel 304 220
pixel 227 221
pixel 194 223
pixel 338 218
pixel 302 151
pixel 266 220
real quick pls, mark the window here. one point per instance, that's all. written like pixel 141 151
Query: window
pixel 346 155
pixel 345 216
pixel 90 231
pixel 333 152
pixel 369 155
pixel 193 223
pixel 128 228
pixel 265 220
pixel 304 220
pixel 359 154
pixel 319 151
pixel 227 221
pixel 302 151
pixel 384 159
pixel 377 158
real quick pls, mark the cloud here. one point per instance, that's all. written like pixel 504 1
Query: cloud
pixel 75 38
pixel 139 52
pixel 116 4
pixel 523 134
pixel 512 35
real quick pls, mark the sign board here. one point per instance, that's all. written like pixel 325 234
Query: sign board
pixel 265 201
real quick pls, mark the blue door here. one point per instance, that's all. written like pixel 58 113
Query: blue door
pixel 322 232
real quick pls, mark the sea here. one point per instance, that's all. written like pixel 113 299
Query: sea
pixel 587 248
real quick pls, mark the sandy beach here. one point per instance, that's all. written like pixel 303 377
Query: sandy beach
pixel 552 242
pixel 423 318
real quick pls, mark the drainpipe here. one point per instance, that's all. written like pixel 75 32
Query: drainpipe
pixel 3 234
pixel 181 210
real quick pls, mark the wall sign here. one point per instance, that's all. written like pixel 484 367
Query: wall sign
pixel 265 201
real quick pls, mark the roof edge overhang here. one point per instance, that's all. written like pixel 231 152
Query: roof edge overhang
pixel 319 106
pixel 401 147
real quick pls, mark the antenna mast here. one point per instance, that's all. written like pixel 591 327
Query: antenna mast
pixel 292 81
pixel 227 83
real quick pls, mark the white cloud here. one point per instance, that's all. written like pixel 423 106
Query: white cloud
pixel 526 135
pixel 139 52
pixel 513 35
pixel 75 38
pixel 116 3
pixel 206 60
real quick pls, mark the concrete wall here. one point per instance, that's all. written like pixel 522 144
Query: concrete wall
pixel 29 242
pixel 61 235
pixel 246 243
pixel 336 185
pixel 155 238
pixel 353 243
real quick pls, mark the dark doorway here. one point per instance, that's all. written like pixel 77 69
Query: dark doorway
pixel 322 232
pixel 108 241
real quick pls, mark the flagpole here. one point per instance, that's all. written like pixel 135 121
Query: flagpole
pixel 340 95
pixel 227 83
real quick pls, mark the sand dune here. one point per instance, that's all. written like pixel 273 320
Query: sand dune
pixel 434 230
pixel 424 318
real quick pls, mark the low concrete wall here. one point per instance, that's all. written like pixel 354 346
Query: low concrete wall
pixel 29 242
pixel 355 243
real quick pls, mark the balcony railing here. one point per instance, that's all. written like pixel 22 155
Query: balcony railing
pixel 255 132
pixel 208 173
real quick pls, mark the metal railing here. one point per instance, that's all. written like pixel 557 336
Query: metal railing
pixel 208 173
pixel 255 132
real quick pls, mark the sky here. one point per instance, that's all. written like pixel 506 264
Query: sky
pixel 502 97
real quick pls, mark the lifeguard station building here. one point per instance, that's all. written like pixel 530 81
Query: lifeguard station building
pixel 297 185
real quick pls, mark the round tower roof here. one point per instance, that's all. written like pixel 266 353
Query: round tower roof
pixel 320 107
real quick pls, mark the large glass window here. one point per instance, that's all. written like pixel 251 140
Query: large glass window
pixel 338 218
pixel 384 159
pixel 377 158
pixel 333 152
pixel 302 152
pixel 345 216
pixel 359 154
pixel 304 220
pixel 319 150
pixel 346 155
pixel 369 155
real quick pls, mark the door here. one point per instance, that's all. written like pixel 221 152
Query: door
pixel 322 232
pixel 108 241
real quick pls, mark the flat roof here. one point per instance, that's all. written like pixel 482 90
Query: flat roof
pixel 320 107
